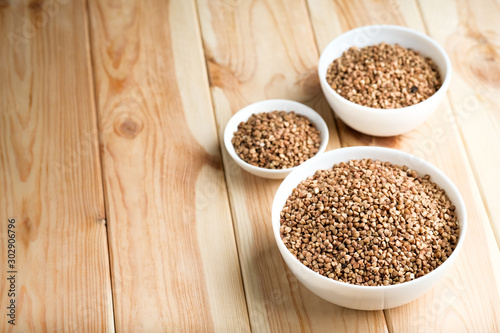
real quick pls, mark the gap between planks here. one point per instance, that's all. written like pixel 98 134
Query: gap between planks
pixel 92 82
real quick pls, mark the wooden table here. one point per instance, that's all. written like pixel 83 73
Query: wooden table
pixel 130 215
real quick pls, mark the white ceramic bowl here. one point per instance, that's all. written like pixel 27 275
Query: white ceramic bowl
pixel 269 106
pixel 365 297
pixel 384 122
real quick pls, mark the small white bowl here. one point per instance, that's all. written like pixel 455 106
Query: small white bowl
pixel 366 297
pixel 384 122
pixel 269 106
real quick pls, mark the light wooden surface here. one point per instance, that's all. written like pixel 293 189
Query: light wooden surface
pixel 158 230
pixel 174 263
pixel 50 179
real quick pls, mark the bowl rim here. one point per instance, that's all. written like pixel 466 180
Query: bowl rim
pixel 319 123
pixel 339 284
pixel 416 34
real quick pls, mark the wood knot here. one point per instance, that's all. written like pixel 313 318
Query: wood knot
pixel 27 224
pixel 309 82
pixel 477 56
pixel 484 63
pixel 4 3
pixel 221 76
pixel 128 128
pixel 36 5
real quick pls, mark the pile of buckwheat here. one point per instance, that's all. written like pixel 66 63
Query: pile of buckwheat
pixel 369 223
pixel 276 140
pixel 383 76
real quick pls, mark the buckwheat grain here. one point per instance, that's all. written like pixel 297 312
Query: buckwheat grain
pixel 276 140
pixel 384 76
pixel 369 223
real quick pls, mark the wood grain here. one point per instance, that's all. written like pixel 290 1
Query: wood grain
pixel 187 231
pixel 173 253
pixel 468 299
pixel 50 175
pixel 255 51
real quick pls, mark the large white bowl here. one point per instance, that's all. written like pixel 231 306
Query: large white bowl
pixel 384 122
pixel 269 106
pixel 365 297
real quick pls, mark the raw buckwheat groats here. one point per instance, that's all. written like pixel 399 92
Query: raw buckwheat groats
pixel 383 76
pixel 276 140
pixel 369 223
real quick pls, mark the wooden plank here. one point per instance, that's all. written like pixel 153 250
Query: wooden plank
pixel 255 51
pixel 50 174
pixel 470 36
pixel 173 253
pixel 468 298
